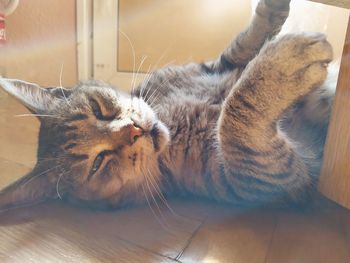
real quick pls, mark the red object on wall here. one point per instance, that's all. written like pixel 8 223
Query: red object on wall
pixel 2 29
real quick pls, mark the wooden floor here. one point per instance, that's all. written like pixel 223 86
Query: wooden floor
pixel 197 232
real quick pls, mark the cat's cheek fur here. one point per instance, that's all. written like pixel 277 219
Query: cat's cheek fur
pixel 163 137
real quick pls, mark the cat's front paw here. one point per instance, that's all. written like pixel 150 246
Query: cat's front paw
pixel 294 52
pixel 297 62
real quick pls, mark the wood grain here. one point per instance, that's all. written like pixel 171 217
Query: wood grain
pixel 335 177
pixel 18 135
pixel 232 235
pixel 309 238
pixel 55 233
pixel 11 171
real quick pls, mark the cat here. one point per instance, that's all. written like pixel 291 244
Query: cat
pixel 247 128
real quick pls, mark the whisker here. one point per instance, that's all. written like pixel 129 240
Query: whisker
pixel 41 174
pixel 155 202
pixel 53 158
pixel 145 83
pixel 147 94
pixel 169 63
pixel 160 194
pixel 134 84
pixel 57 186
pixel 61 87
pixel 37 115
pixel 161 85
pixel 154 100
pixel 155 109
pixel 133 54
pixel 154 68
pixel 160 58
pixel 138 72
pixel 21 206
pixel 152 210
pixel 69 171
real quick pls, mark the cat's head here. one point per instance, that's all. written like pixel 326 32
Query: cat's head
pixel 96 145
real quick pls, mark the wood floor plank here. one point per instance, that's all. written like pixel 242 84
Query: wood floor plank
pixel 136 226
pixel 194 209
pixel 59 233
pixel 231 235
pixel 10 172
pixel 21 153
pixel 308 237
pixel 3 94
pixel 18 135
pixel 52 241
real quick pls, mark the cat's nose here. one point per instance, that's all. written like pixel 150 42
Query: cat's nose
pixel 135 133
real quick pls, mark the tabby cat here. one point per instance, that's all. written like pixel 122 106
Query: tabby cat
pixel 247 128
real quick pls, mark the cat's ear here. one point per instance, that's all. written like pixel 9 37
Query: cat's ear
pixel 34 97
pixel 31 189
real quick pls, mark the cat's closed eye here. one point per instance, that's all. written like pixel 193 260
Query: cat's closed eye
pixel 99 114
pixel 102 160
pixel 97 163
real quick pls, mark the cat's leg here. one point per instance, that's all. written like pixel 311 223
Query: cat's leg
pixel 260 163
pixel 269 17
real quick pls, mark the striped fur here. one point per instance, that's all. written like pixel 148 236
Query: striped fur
pixel 227 129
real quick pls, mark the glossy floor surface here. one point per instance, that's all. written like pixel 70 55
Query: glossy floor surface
pixel 199 232
pixel 196 231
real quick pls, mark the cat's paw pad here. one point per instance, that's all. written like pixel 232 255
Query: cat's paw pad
pixel 293 53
